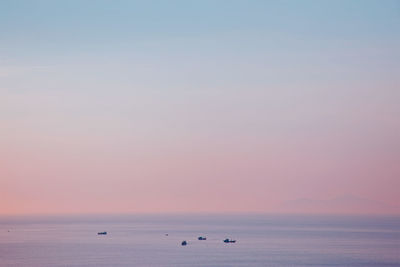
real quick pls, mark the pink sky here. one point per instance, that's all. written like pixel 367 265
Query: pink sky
pixel 257 105
pixel 53 163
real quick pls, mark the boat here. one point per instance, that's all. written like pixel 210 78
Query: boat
pixel 184 243
pixel 229 241
pixel 102 233
pixel 202 238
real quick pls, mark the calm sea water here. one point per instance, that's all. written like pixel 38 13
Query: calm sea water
pixel 262 240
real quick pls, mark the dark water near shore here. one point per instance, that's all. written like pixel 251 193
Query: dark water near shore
pixel 140 240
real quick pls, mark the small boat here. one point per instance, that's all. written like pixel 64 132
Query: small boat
pixel 102 233
pixel 202 238
pixel 184 243
pixel 229 241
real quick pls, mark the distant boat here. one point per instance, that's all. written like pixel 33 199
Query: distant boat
pixel 102 233
pixel 202 238
pixel 229 241
pixel 184 243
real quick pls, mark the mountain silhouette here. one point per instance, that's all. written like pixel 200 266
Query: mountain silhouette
pixel 340 204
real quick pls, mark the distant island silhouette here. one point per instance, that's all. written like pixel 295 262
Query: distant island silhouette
pixel 339 204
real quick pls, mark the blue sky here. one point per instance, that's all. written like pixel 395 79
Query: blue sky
pixel 308 84
pixel 51 27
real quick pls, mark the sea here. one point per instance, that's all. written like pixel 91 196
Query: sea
pixel 155 240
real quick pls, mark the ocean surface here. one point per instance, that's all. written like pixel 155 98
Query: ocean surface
pixel 141 240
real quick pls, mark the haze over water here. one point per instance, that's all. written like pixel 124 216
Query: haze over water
pixel 140 240
pixel 198 107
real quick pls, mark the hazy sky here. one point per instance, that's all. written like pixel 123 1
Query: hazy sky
pixel 217 106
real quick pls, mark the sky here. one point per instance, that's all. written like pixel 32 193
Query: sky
pixel 199 106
